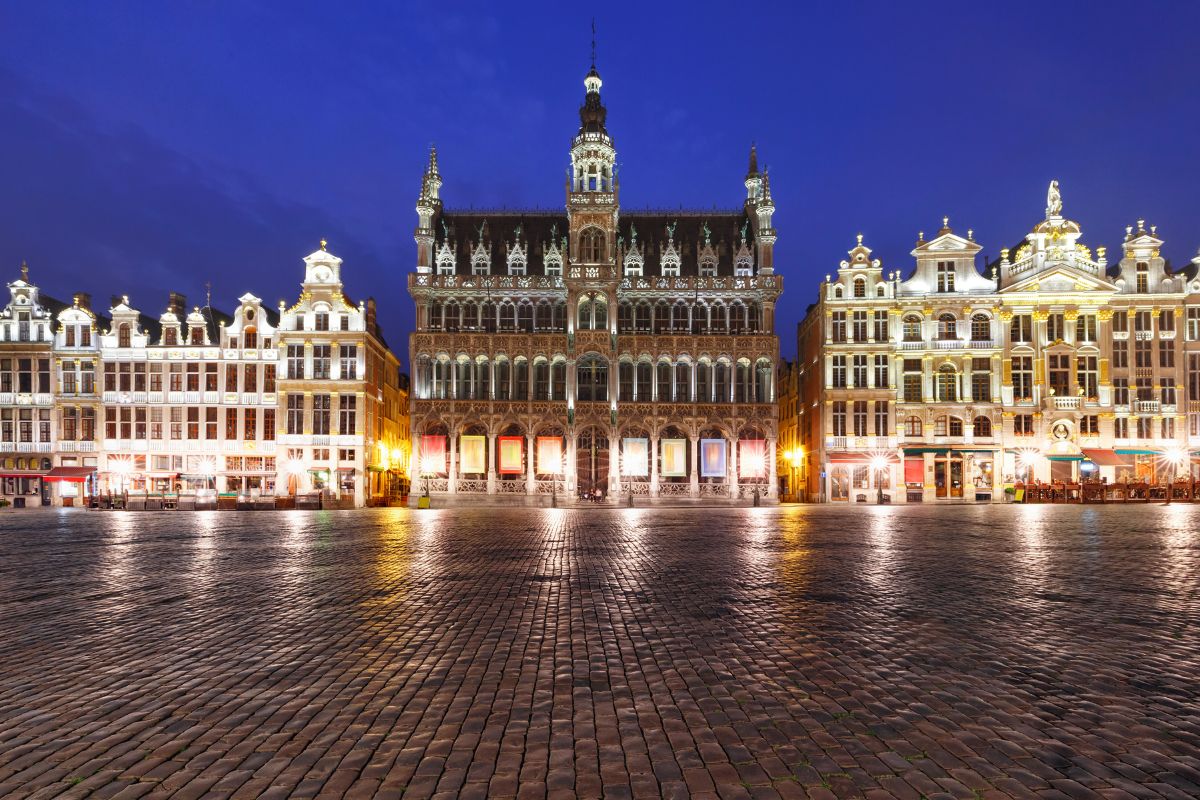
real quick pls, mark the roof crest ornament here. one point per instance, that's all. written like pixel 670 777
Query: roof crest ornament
pixel 1053 201
pixel 707 233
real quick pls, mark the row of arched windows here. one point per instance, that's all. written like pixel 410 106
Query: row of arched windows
pixel 947 327
pixel 593 314
pixel 663 381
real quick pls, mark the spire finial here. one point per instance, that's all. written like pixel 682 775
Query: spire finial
pixel 753 159
pixel 323 243
pixel 24 271
pixel 593 42
pixel 860 240
pixel 433 167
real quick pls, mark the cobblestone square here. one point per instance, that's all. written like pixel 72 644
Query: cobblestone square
pixel 909 652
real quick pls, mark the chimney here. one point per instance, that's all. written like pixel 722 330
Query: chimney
pixel 371 316
pixel 83 300
pixel 176 302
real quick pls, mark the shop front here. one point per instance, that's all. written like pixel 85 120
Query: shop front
pixel 863 477
pixel 950 474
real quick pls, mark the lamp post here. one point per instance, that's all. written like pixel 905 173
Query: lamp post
pixel 1175 458
pixel 878 465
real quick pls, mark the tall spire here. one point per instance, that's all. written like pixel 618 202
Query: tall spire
pixel 24 271
pixel 753 160
pixel 593 43
pixel 433 168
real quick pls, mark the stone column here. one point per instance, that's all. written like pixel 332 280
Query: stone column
pixel 772 479
pixel 653 466
pixel 452 483
pixel 694 472
pixel 530 480
pixel 733 468
pixel 614 467
pixel 491 463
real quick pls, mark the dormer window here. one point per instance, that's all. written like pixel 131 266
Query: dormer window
pixel 124 335
pixel 170 336
pixel 945 276
pixel 197 335
pixel 70 335
pixel 479 265
pixel 743 266
pixel 553 266
pixel 708 268
pixel 321 321
pixel 670 265
pixel 250 337
pixel 1143 277
pixel 860 287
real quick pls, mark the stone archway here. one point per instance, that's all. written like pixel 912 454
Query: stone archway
pixel 591 461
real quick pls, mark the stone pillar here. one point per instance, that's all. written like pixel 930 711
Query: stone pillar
pixel 694 471
pixel 733 468
pixel 653 466
pixel 772 479
pixel 491 463
pixel 614 467
pixel 452 483
pixel 570 470
pixel 530 479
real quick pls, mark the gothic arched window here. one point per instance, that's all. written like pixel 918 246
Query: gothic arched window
pixel 591 245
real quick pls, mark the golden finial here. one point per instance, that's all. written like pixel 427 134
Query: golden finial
pixel 24 271
pixel 323 243
pixel 945 222
pixel 860 239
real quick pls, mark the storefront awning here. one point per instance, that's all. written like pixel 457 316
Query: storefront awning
pixel 855 457
pixel 22 474
pixel 75 474
pixel 1134 451
pixel 1068 457
pixel 916 451
pixel 1105 458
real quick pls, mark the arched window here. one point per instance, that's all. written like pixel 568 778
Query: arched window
pixel 642 317
pixel 662 317
pixel 956 426
pixel 124 335
pixel 763 375
pixel 503 389
pixel 981 328
pixel 591 378
pixel 679 317
pixel 508 316
pixel 520 390
pixel 424 382
pixel 663 379
pixel 737 318
pixel 625 382
pixel 837 292
pixel 541 379
pixel 683 382
pixel 451 316
pixel 753 317
pixel 721 382
pixel 441 379
pixel 170 336
pixel 880 290
pixel 591 245
pixel 470 317
pixel 600 314
pixel 643 388
pixel 719 320
pixel 860 287
pixel 741 385
pixel 913 427
pixel 558 380
pixel 545 316
pixel 584 321
pixel 704 383
pixel 625 317
pixel 981 427
pixel 525 317
pixel 912 328
pixel 947 384
pixel 482 387
pixel 947 327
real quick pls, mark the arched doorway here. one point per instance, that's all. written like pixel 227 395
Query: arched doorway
pixel 591 462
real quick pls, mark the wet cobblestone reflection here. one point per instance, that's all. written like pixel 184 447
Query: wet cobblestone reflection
pixel 969 652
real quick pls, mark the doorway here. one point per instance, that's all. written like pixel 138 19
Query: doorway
pixel 948 475
pixel 591 462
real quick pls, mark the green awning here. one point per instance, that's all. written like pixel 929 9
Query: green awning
pixel 940 451
pixel 1065 458
pixel 1133 451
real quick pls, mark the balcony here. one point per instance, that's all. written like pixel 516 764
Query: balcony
pixel 918 345
pixel 947 344
pixel 1065 403
pixel 1146 406
pixel 983 344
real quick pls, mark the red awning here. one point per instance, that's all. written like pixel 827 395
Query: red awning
pixel 847 457
pixel 76 474
pixel 22 474
pixel 1107 458
pixel 914 470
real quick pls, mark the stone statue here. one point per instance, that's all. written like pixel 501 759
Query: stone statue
pixel 707 233
pixel 1053 200
pixel 671 230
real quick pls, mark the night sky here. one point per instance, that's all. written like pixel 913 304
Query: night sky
pixel 150 147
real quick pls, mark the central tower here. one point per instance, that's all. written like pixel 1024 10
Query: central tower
pixel 592 183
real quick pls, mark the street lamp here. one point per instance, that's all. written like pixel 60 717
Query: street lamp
pixel 1175 457
pixel 878 465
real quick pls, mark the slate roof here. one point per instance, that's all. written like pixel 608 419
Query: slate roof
pixel 537 228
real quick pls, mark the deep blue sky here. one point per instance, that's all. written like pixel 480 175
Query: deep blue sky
pixel 157 146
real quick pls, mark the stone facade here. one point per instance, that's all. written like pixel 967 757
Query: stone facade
pixel 952 385
pixel 594 351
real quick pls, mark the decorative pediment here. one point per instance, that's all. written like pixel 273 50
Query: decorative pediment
pixel 1061 278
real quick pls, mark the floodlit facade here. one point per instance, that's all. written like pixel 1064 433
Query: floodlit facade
pixel 954 385
pixel 594 351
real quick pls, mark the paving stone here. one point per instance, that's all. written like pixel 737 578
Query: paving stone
pixel 820 652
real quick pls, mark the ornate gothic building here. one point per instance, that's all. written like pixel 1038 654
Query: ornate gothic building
pixel 594 351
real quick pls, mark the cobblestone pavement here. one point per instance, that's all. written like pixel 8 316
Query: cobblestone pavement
pixel 966 652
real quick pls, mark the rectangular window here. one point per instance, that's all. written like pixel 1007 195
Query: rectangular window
pixel 1166 320
pixel 231 378
pixel 881 326
pixel 268 431
pixel 1166 391
pixel 210 378
pixel 839 418
pixel 250 378
pixel 347 411
pixel 268 379
pixel 1120 354
pixel 1085 328
pixel 320 414
pixel 1055 327
pixel 860 371
pixel 193 378
pixel 348 361
pixel 176 422
pixel 1145 428
pixel 860 417
pixel 1121 428
pixel 881 417
pixel 881 372
pixel 1142 322
pixel 1144 388
pixel 193 422
pixel 322 360
pixel 231 424
pixel 1120 391
pixel 1087 376
pixel 912 380
pixel 1193 323
pixel 1143 355
pixel 250 425
pixel 210 423
pixel 945 276
pixel 1021 329
pixel 1166 353
pixel 1167 429
pixel 139 423
pixel 839 372
pixel 1089 425
pixel 1120 322
pixel 1022 377
pixel 295 414
pixel 981 380
pixel 295 361
pixel 1193 377
pixel 1023 425
pixel 156 423
pixel 859 321
pixel 838 332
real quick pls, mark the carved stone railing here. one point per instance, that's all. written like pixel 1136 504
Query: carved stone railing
pixel 714 490
pixel 495 283
pixel 510 487
pixel 674 489
pixel 471 486
pixel 558 487
pixel 529 345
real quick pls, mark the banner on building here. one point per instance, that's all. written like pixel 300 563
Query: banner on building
pixel 752 458
pixel 433 455
pixel 511 450
pixel 635 458
pixel 674 457
pixel 549 455
pixel 472 455
pixel 712 458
